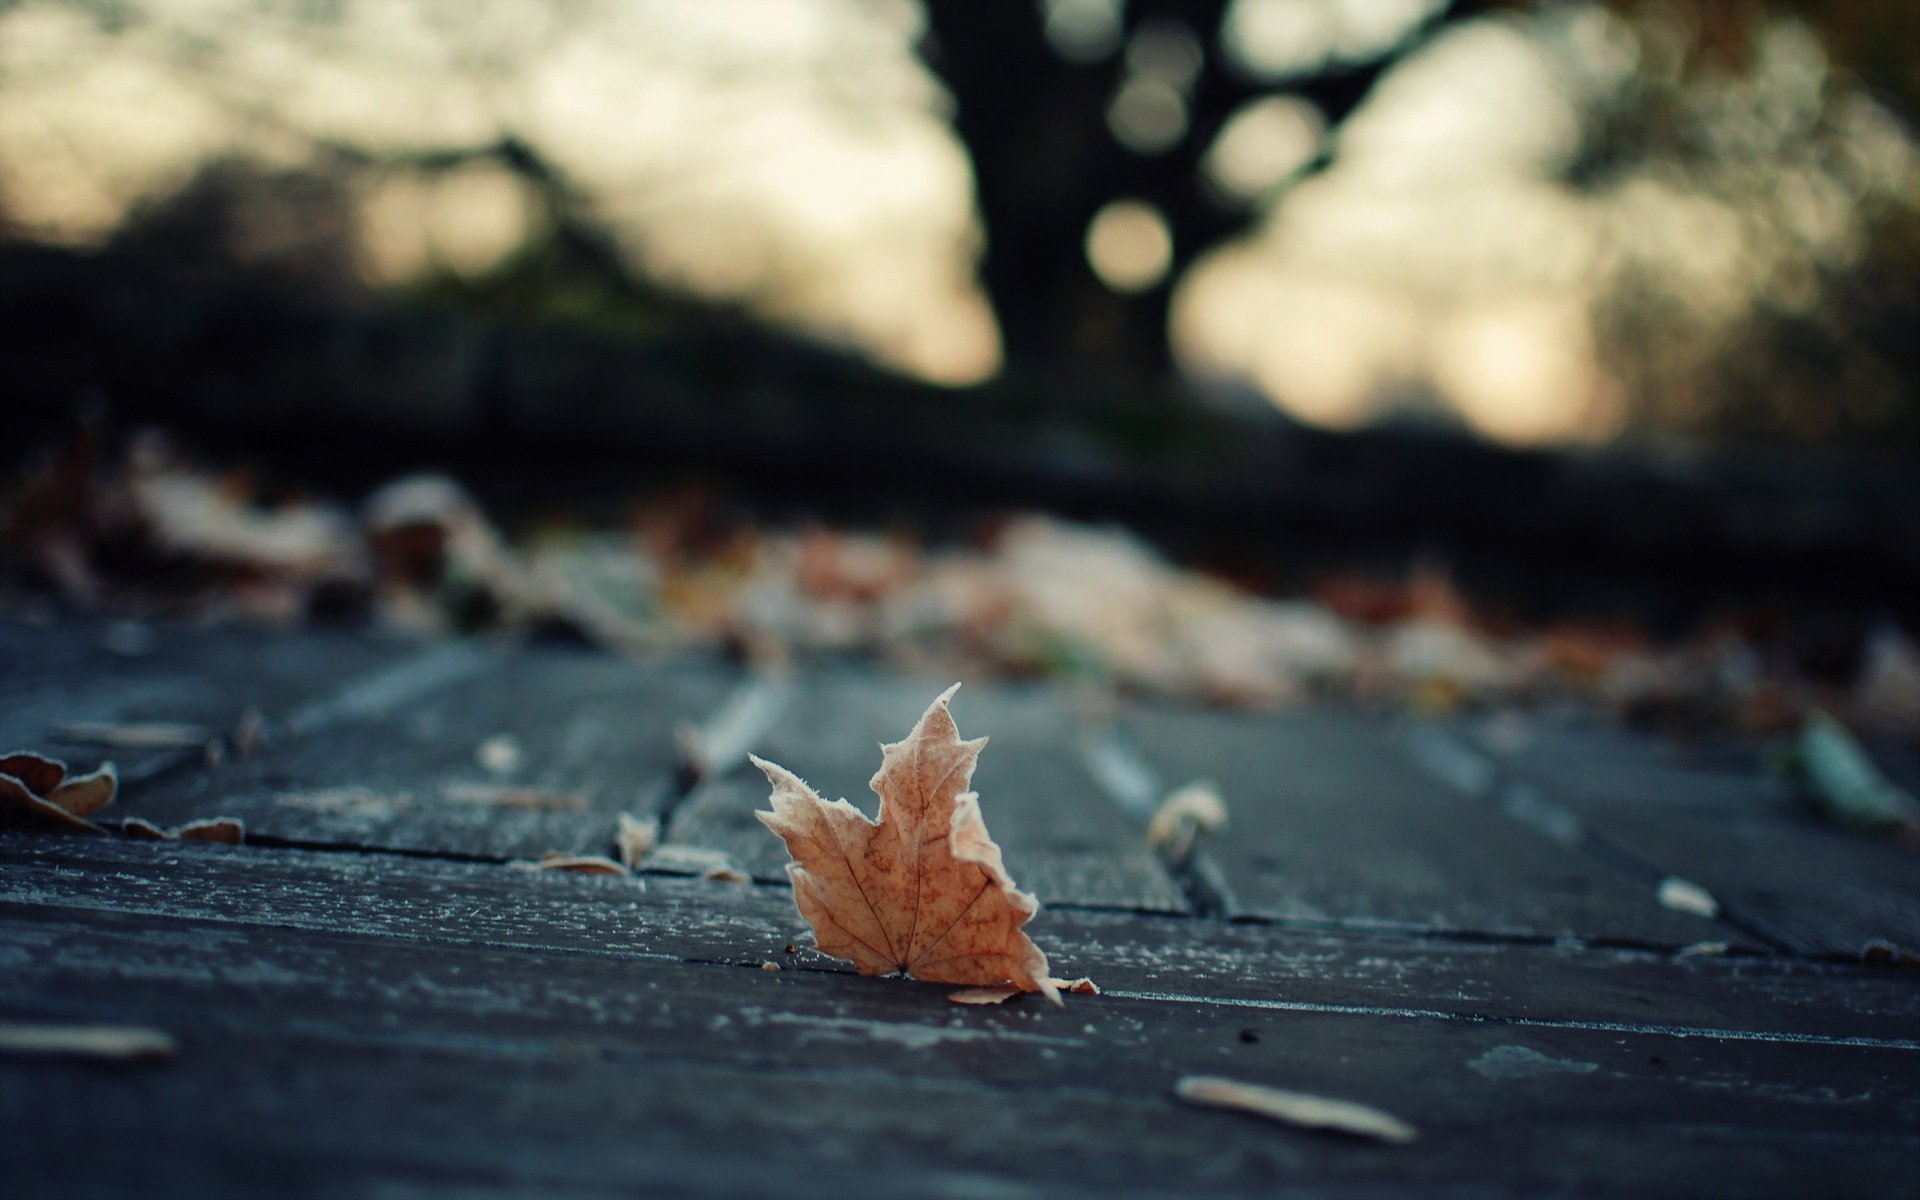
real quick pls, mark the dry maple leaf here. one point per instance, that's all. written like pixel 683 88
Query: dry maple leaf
pixel 922 889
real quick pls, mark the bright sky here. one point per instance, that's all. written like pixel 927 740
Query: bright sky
pixel 794 156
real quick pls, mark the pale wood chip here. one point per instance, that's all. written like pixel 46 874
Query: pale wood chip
pixel 1295 1108
pixel 123 1043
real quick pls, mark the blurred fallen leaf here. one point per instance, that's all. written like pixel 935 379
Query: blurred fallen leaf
pixel 1183 816
pixel 1295 1108
pixel 922 889
pixel 585 864
pixel 121 1043
pixel 1685 896
pixel 38 791
pixel 1839 781
pixel 635 837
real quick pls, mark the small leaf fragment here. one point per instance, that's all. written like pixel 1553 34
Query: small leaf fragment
pixel 1839 781
pixel 585 864
pixel 726 875
pixel 1704 950
pixel 634 837
pixel 499 754
pixel 229 831
pixel 1683 895
pixel 123 1043
pixel 36 791
pixel 1295 1108
pixel 1183 816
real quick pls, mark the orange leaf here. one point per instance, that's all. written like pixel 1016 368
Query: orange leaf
pixel 922 889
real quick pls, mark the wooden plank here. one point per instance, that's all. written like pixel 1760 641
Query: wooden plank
pixel 1334 823
pixel 1598 764
pixel 1259 969
pixel 1723 822
pixel 1804 884
pixel 341 1061
pixel 520 752
pixel 125 673
pixel 1063 839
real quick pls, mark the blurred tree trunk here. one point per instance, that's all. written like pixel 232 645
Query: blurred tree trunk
pixel 1045 162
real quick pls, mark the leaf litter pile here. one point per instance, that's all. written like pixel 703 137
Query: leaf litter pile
pixel 144 531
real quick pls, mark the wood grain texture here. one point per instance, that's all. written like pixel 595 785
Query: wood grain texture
pixel 1721 820
pixel 329 1060
pixel 387 761
pixel 1255 968
pixel 1063 839
pixel 105 672
pixel 1333 822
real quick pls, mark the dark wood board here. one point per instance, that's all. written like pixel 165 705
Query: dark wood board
pixel 1603 765
pixel 1721 820
pixel 1064 840
pixel 1333 822
pixel 317 1062
pixel 594 735
pixel 1258 969
pixel 1806 885
pixel 102 672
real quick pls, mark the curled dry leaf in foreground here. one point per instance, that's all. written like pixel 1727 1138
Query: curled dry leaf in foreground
pixel 920 890
pixel 38 791
pixel 1295 1108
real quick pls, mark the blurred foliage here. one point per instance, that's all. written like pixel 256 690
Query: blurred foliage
pixel 1785 120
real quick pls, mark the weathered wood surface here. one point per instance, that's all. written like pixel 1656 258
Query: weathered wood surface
pixel 384 749
pixel 1257 967
pixel 132 673
pixel 1333 822
pixel 593 737
pixel 1064 839
pixel 1419 923
pixel 1723 821
pixel 317 1058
